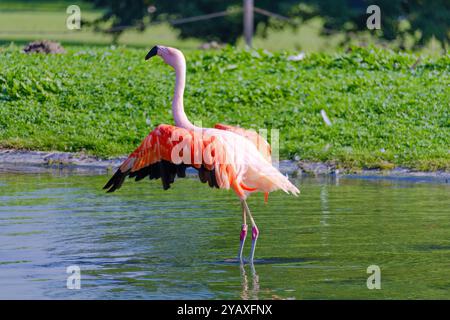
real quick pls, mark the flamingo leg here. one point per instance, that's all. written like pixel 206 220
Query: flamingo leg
pixel 255 231
pixel 243 234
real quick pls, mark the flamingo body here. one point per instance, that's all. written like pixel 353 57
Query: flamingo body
pixel 225 156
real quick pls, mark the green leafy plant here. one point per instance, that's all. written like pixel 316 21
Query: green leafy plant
pixel 387 109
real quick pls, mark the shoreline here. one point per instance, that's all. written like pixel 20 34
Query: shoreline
pixel 26 161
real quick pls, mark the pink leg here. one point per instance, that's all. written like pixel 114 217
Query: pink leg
pixel 243 232
pixel 255 234
pixel 255 231
pixel 242 238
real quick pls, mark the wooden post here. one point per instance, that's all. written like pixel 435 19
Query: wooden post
pixel 248 22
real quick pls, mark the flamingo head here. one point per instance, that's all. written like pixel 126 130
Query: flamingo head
pixel 171 56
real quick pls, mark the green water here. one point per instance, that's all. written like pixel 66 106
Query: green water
pixel 146 243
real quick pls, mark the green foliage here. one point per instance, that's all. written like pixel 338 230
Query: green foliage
pixel 225 29
pixel 386 108
pixel 417 19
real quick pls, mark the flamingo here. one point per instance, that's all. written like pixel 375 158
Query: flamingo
pixel 225 156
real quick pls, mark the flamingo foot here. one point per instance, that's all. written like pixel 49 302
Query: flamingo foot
pixel 242 238
pixel 255 234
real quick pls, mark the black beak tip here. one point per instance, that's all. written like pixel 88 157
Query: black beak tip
pixel 153 52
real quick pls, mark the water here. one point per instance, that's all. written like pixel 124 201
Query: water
pixel 146 243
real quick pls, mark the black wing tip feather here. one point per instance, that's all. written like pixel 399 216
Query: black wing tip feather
pixel 163 169
pixel 209 176
pixel 116 181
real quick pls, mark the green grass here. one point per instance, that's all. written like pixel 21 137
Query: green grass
pixel 23 21
pixel 23 24
pixel 100 100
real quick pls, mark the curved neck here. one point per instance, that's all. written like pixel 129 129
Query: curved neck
pixel 179 116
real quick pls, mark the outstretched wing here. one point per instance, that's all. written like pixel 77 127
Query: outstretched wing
pixel 153 158
pixel 261 144
pixel 223 159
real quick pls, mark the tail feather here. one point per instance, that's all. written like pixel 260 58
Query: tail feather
pixel 269 179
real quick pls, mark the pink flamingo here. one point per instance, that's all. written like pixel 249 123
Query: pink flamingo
pixel 225 156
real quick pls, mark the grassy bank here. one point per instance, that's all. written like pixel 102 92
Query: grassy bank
pixel 105 100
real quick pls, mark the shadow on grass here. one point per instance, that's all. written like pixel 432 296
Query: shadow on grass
pixel 23 42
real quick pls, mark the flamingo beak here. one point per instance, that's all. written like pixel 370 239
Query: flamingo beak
pixel 153 52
